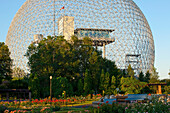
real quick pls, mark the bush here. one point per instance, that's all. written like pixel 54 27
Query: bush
pixel 2 108
pixel 154 106
pixel 56 108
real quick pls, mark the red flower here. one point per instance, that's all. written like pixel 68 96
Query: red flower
pixel 107 101
pixel 98 107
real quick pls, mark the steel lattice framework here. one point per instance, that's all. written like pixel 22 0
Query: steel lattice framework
pixel 133 37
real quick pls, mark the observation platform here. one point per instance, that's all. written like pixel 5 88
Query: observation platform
pixel 99 37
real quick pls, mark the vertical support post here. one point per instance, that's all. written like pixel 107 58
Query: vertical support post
pixel 159 89
pixel 104 49
pixel 50 88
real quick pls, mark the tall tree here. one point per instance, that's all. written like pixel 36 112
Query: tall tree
pixel 102 79
pixel 113 85
pixel 87 83
pixel 130 71
pixel 5 63
pixel 147 77
pixel 154 76
pixel 80 87
pixel 141 76
pixel 18 72
pixel 60 84
pixel 34 86
pixel 106 82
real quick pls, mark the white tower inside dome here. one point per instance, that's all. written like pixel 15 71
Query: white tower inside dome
pixel 66 27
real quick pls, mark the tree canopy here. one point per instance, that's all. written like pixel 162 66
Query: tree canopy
pixel 54 56
pixel 5 63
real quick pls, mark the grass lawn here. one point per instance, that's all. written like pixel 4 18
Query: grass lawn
pixel 78 104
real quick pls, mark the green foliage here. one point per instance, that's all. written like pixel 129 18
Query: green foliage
pixel 130 71
pixel 141 76
pixel 34 86
pixel 80 87
pixel 147 77
pixel 61 84
pixel 154 76
pixel 154 106
pixel 102 79
pixel 19 83
pixel 2 108
pixel 167 89
pixel 5 63
pixel 131 85
pixel 87 83
pixel 19 73
pixel 54 56
pixel 112 88
pixel 106 82
pixel 55 108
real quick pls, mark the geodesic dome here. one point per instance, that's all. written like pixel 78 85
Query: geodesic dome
pixel 133 44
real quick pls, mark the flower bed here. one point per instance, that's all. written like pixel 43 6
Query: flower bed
pixel 44 105
pixel 154 106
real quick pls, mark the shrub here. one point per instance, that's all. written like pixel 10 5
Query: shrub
pixel 2 108
pixel 56 108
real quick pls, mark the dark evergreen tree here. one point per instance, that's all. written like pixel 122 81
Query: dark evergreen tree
pixel 87 83
pixel 112 88
pixel 60 84
pixel 80 87
pixel 154 76
pixel 130 71
pixel 141 76
pixel 107 82
pixel 147 77
pixel 102 79
pixel 5 63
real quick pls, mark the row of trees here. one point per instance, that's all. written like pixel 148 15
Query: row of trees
pixel 77 61
pixel 76 67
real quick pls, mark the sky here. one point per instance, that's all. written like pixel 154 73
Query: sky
pixel 157 13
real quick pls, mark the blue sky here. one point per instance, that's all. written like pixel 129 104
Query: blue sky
pixel 157 12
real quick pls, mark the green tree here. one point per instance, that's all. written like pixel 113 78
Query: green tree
pixel 154 79
pixel 34 86
pixel 5 63
pixel 54 56
pixel 131 85
pixel 112 88
pixel 87 83
pixel 106 82
pixel 154 76
pixel 102 79
pixel 147 77
pixel 60 84
pixel 130 71
pixel 141 76
pixel 18 72
pixel 80 87
pixel 167 89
